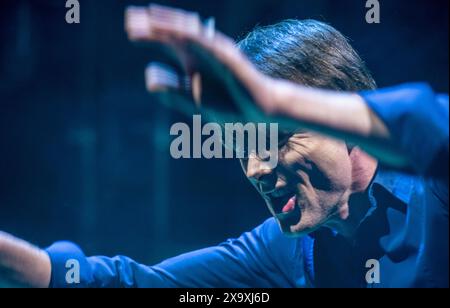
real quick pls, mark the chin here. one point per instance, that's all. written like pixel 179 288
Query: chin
pixel 300 229
pixel 292 231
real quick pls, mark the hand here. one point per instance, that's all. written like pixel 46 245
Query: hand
pixel 22 264
pixel 252 95
pixel 229 82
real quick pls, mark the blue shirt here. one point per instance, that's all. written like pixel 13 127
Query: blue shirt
pixel 405 229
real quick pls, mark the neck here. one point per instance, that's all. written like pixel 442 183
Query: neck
pixel 353 211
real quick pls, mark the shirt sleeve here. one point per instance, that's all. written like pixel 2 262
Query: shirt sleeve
pixel 417 119
pixel 260 258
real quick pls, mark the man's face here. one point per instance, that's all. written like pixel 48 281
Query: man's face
pixel 310 185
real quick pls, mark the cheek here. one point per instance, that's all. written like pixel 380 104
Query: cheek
pixel 336 162
pixel 331 169
pixel 322 162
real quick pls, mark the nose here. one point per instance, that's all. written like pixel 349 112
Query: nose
pixel 261 174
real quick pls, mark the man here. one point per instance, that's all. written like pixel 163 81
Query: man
pixel 339 207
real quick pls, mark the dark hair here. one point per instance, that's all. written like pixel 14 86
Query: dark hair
pixel 308 52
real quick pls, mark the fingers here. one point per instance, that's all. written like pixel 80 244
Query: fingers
pixel 157 23
pixel 168 26
pixel 160 77
pixel 175 27
pixel 137 23
pixel 174 22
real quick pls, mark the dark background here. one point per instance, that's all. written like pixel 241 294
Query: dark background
pixel 84 151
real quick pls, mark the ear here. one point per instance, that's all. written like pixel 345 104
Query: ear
pixel 363 168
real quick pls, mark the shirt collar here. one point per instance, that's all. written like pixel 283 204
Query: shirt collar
pixel 397 184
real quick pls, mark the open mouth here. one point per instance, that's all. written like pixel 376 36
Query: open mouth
pixel 284 205
pixel 289 216
pixel 282 200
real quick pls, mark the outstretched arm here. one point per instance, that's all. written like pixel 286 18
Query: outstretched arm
pixel 22 264
pixel 263 257
pixel 381 122
pixel 260 258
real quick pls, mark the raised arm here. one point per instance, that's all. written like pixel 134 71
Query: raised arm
pixel 406 125
pixel 382 122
